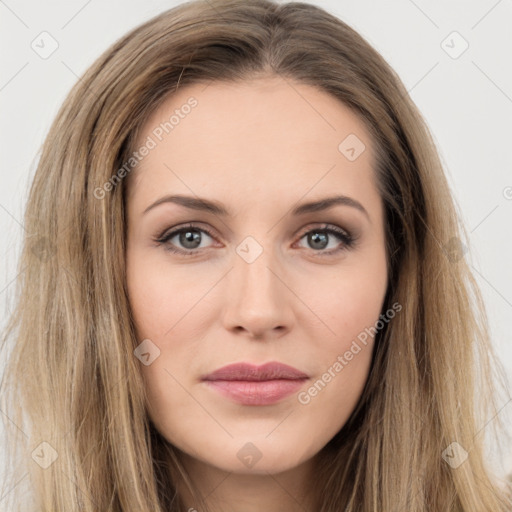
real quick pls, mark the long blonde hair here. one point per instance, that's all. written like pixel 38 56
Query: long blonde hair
pixel 72 381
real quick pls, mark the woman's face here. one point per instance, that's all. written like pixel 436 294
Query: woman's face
pixel 266 279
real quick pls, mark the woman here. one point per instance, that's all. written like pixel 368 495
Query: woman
pixel 261 369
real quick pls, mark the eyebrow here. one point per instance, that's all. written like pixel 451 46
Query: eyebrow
pixel 211 206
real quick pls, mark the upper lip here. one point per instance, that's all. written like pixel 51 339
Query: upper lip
pixel 250 372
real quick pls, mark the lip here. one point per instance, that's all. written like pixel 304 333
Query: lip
pixel 249 384
pixel 251 372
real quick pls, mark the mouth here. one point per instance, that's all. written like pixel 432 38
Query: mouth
pixel 248 384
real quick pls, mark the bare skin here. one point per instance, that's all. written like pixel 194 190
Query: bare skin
pixel 261 148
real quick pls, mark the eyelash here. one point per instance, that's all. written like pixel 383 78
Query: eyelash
pixel 342 235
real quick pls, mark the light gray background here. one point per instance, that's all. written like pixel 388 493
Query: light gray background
pixel 467 102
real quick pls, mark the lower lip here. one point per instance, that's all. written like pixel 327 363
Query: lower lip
pixel 263 392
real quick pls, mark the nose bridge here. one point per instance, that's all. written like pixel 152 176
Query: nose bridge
pixel 252 270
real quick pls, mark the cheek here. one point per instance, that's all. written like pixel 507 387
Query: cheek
pixel 351 311
pixel 344 351
pixel 354 302
pixel 160 297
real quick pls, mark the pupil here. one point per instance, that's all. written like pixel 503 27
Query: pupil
pixel 188 237
pixel 322 238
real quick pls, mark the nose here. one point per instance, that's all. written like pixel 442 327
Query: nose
pixel 257 298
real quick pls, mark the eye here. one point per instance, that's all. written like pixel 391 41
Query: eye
pixel 319 239
pixel 190 237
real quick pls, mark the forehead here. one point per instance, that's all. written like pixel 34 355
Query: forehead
pixel 267 135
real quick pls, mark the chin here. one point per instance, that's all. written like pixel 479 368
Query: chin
pixel 257 456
